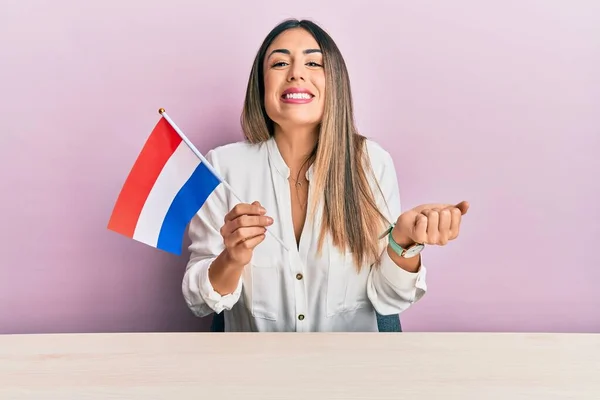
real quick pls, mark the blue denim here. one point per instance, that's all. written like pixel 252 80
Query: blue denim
pixel 385 323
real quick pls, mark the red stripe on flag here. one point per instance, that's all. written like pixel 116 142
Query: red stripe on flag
pixel 161 144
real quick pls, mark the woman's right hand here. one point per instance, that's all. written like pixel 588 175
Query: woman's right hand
pixel 244 229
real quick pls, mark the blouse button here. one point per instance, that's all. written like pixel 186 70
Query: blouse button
pixel 301 317
pixel 298 276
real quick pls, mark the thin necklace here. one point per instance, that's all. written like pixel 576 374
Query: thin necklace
pixel 298 185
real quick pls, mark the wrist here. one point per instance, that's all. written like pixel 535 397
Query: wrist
pixel 401 238
pixel 404 247
pixel 229 262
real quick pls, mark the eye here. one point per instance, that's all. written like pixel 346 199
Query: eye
pixel 279 64
pixel 313 64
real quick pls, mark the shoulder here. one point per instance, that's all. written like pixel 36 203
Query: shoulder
pixel 380 159
pixel 240 149
pixel 235 154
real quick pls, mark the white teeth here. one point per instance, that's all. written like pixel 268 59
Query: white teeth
pixel 298 96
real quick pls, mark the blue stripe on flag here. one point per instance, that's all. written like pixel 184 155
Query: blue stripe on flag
pixel 186 204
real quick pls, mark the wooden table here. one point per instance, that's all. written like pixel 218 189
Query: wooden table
pixel 283 366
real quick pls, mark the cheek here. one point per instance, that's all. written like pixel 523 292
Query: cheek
pixel 272 84
pixel 322 94
pixel 268 81
pixel 319 83
pixel 269 87
pixel 270 93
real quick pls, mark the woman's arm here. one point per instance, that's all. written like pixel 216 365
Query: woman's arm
pixel 206 252
pixel 411 264
pixel 396 282
pixel 223 241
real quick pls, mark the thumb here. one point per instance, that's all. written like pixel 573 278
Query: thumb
pixel 463 206
pixel 431 206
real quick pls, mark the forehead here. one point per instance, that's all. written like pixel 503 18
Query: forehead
pixel 296 39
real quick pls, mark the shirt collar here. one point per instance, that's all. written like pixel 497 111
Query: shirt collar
pixel 279 163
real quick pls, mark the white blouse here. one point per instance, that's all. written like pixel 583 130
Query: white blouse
pixel 296 289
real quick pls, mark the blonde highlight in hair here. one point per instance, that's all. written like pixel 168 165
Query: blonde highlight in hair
pixel 341 179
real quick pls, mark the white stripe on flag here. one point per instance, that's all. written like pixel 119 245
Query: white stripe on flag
pixel 174 175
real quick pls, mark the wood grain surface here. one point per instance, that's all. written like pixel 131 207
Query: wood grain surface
pixel 282 366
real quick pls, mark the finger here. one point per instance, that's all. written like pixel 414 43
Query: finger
pixel 455 223
pixel 433 220
pixel 253 242
pixel 438 206
pixel 245 221
pixel 463 206
pixel 250 220
pixel 420 230
pixel 245 209
pixel 426 212
pixel 243 234
pixel 444 226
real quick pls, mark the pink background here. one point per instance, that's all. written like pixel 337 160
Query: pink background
pixel 496 102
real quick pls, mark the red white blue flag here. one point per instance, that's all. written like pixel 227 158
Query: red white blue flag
pixel 168 184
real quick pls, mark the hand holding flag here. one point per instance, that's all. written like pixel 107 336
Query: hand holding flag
pixel 244 229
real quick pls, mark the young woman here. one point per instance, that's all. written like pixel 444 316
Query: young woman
pixel 329 193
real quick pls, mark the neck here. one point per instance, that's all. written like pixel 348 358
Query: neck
pixel 295 146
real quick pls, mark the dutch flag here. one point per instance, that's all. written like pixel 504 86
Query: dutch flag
pixel 168 184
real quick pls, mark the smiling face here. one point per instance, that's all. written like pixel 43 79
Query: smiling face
pixel 294 80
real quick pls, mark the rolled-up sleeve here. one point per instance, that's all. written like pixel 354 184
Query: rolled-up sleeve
pixel 200 295
pixel 390 288
pixel 206 245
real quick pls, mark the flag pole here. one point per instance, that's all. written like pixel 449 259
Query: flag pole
pixel 164 114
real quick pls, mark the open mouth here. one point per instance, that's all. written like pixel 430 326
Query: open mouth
pixel 298 96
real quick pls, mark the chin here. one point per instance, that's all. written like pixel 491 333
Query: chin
pixel 298 122
pixel 300 119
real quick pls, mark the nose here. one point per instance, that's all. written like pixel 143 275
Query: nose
pixel 296 72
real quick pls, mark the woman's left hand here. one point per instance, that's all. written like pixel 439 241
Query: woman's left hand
pixel 433 224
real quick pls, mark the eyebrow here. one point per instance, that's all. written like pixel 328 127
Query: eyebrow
pixel 286 51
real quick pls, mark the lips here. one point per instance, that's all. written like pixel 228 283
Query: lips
pixel 297 95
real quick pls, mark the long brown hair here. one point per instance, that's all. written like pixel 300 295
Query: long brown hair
pixel 350 213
